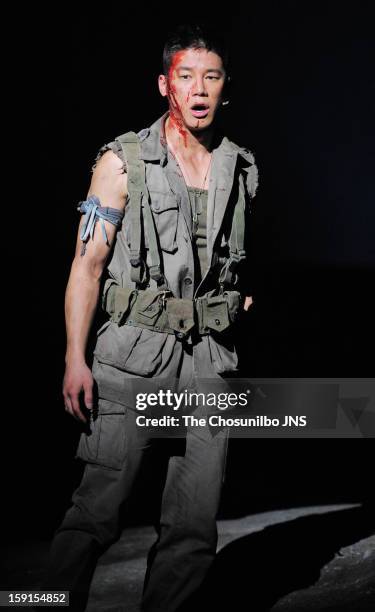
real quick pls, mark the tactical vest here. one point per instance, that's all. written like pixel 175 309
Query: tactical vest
pixel 151 282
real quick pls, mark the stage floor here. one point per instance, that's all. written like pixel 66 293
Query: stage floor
pixel 295 555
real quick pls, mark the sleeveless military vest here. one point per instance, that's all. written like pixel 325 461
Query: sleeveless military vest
pixel 154 249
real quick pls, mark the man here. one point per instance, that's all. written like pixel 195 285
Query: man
pixel 176 281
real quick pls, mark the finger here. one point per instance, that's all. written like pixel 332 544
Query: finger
pixel 76 411
pixel 88 396
pixel 68 404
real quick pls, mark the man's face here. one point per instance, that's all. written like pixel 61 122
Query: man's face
pixel 194 87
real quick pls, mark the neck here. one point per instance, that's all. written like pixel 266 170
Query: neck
pixel 188 143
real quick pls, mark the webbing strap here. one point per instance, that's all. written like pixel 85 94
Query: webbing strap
pixel 136 187
pixel 155 267
pixel 138 192
pixel 237 252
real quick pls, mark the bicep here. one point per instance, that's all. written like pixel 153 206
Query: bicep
pixel 109 184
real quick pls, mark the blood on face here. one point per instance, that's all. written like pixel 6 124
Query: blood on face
pixel 175 113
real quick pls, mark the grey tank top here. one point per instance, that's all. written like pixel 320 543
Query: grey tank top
pixel 198 200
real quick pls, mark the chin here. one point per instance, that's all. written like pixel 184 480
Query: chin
pixel 198 125
pixel 194 124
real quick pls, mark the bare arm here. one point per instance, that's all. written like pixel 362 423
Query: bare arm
pixel 109 184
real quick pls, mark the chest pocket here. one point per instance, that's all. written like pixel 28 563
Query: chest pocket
pixel 165 212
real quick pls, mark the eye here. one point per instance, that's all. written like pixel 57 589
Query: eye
pixel 215 78
pixel 185 76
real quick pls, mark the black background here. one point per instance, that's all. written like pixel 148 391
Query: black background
pixel 303 101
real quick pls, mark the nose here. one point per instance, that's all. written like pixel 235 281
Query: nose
pixel 200 87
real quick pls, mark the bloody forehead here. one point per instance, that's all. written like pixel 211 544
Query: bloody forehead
pixel 176 59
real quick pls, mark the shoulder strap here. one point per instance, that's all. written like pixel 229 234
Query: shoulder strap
pixel 137 190
pixel 237 252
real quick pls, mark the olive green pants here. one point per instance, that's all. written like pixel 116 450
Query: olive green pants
pixel 186 534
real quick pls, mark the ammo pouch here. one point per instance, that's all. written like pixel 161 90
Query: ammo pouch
pixel 160 311
pixel 217 312
pixel 116 300
pixel 180 315
pixel 128 306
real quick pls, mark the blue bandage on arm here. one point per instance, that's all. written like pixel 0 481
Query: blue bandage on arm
pixel 93 213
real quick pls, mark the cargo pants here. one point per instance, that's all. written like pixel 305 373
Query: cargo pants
pixel 187 534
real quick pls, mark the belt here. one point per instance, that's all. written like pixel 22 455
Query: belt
pixel 160 311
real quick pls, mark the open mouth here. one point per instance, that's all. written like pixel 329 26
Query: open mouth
pixel 200 110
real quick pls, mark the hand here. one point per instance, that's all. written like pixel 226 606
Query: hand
pixel 77 377
pixel 247 303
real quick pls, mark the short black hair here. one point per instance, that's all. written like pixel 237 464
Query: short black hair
pixel 195 36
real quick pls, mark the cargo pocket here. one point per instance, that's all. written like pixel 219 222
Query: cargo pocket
pixel 164 209
pixel 146 357
pixel 132 349
pixel 224 356
pixel 105 442
pixel 115 343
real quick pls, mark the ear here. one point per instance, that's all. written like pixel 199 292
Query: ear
pixel 162 82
